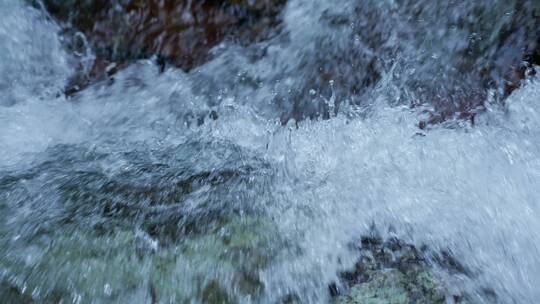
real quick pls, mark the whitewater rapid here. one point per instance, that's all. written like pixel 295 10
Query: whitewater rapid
pixel 471 190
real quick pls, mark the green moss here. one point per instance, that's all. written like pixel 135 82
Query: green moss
pixel 112 266
pixel 213 293
pixel 384 288
pixel 429 286
pixel 391 272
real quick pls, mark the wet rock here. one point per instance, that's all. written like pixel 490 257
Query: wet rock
pixel 391 271
pixel 107 267
pixel 387 287
pixel 159 227
pixel 11 294
pixel 489 44
pixel 502 35
pixel 533 58
pixel 177 32
pixel 214 293
pixel 441 57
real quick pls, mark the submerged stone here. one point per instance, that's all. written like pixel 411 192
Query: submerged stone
pixel 214 293
pixel 160 228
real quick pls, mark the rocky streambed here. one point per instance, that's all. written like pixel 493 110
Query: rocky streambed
pixel 244 151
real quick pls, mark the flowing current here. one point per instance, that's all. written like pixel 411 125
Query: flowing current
pixel 181 186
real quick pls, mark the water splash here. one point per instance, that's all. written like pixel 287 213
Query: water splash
pixel 163 187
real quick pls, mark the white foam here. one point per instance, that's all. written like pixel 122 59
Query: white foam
pixel 472 190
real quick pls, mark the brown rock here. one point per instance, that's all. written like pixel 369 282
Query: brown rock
pixel 178 32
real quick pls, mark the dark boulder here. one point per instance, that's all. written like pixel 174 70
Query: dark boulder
pixel 177 32
pixel 445 58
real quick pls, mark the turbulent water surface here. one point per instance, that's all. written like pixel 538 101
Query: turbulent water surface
pixel 207 186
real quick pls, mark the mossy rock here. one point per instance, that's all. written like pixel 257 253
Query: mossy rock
pixel 384 288
pixel 394 287
pixel 213 293
pixel 392 272
pixel 113 238
pixel 112 267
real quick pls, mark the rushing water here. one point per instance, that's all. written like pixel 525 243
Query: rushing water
pixel 180 186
